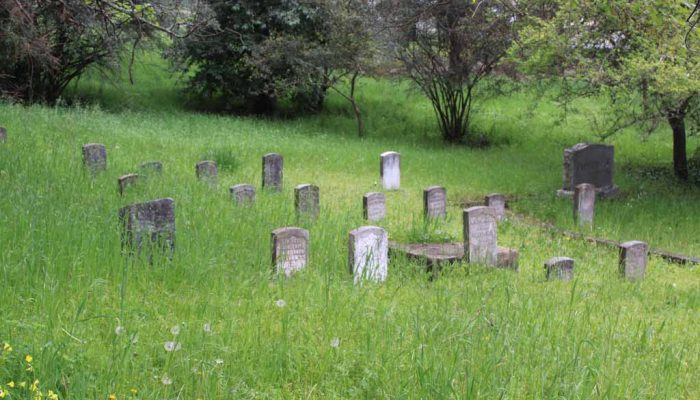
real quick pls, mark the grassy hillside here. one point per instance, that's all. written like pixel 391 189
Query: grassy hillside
pixel 97 324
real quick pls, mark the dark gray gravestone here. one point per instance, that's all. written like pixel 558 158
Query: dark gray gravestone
pixel 559 268
pixel 368 253
pixel 589 163
pixel 498 203
pixel 125 181
pixel 306 201
pixel 584 204
pixel 290 249
pixel 95 157
pixel 633 259
pixel 207 170
pixel 150 224
pixel 374 206
pixel 149 167
pixel 3 134
pixel 435 202
pixel 480 235
pixel 243 193
pixel 390 170
pixel 273 166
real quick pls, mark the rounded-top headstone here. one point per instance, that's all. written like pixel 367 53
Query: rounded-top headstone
pixel 207 170
pixel 374 206
pixel 306 200
pixel 497 202
pixel 273 167
pixel 390 170
pixel 435 202
pixel 95 157
pixel 151 166
pixel 561 268
pixel 290 249
pixel 480 235
pixel 125 181
pixel 243 193
pixel 634 256
pixel 368 253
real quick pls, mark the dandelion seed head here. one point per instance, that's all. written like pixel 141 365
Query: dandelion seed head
pixel 280 303
pixel 335 342
pixel 219 361
pixel 172 346
pixel 119 330
pixel 207 327
pixel 166 380
pixel 175 330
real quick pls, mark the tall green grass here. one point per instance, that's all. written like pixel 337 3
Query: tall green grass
pixel 97 324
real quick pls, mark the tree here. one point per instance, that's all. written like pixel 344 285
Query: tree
pixel 447 48
pixel 45 44
pixel 257 53
pixel 632 52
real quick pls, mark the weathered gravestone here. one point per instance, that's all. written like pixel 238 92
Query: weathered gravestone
pixel 273 165
pixel 290 249
pixel 584 204
pixel 243 193
pixel 480 235
pixel 559 268
pixel 95 157
pixel 149 167
pixel 374 206
pixel 368 253
pixel 589 163
pixel 633 259
pixel 390 170
pixel 3 134
pixel 150 224
pixel 435 202
pixel 306 201
pixel 497 202
pixel 207 170
pixel 125 181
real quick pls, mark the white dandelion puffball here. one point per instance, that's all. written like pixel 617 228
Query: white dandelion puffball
pixel 175 330
pixel 335 342
pixel 119 330
pixel 280 303
pixel 219 361
pixel 166 380
pixel 172 346
pixel 207 327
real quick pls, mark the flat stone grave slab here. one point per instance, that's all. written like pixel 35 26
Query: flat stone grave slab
pixel 436 255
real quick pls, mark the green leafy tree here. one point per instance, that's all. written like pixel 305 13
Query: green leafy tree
pixel 634 53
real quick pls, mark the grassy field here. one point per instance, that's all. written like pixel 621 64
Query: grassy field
pixel 96 324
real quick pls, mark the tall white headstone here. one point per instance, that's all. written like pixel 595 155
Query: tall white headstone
pixel 368 257
pixel 390 170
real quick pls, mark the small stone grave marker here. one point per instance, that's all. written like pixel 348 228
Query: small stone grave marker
pixel 273 165
pixel 95 157
pixel 390 170
pixel 125 181
pixel 584 204
pixel 149 167
pixel 559 268
pixel 368 257
pixel 243 193
pixel 3 134
pixel 149 224
pixel 290 249
pixel 480 235
pixel 633 259
pixel 207 170
pixel 435 202
pixel 306 200
pixel 589 163
pixel 374 206
pixel 497 202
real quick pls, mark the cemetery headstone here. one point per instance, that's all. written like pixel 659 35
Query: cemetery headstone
pixel 374 206
pixel 290 249
pixel 480 235
pixel 3 134
pixel 207 170
pixel 584 204
pixel 559 268
pixel 497 202
pixel 273 165
pixel 306 200
pixel 633 259
pixel 368 257
pixel 390 170
pixel 589 163
pixel 243 193
pixel 435 202
pixel 149 167
pixel 95 157
pixel 125 181
pixel 507 258
pixel 150 224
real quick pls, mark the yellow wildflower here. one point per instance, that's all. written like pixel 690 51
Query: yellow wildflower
pixel 11 384
pixel 29 368
pixel 112 397
pixel 2 393
pixel 51 395
pixel 34 386
pixel 134 391
pixel 23 384
pixel 28 358
pixel 6 347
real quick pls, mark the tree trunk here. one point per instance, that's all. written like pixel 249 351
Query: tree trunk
pixel 355 107
pixel 680 159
